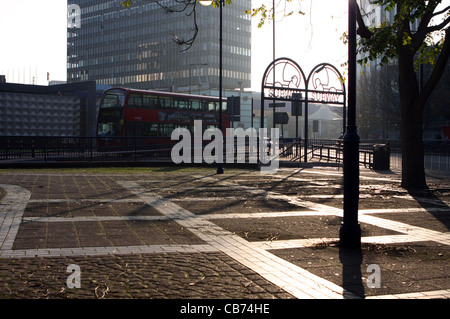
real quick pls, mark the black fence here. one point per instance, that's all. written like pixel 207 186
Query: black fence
pixel 332 150
pixel 26 149
pixel 329 150
pixel 31 149
pixel 58 149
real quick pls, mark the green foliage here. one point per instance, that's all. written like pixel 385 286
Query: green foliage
pixel 429 52
pixel 382 44
pixel 389 39
pixel 126 3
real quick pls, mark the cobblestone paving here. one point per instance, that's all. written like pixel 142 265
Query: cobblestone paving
pixel 192 234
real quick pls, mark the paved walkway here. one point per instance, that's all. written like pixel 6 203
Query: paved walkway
pixel 190 233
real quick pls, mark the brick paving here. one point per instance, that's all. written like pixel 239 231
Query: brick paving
pixel 189 233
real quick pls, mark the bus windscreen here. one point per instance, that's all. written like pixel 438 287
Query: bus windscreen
pixel 113 98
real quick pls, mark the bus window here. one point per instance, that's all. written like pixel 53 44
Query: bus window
pixel 135 100
pixel 183 105
pixel 149 102
pixel 212 106
pixel 181 126
pixel 166 129
pixel 156 102
pixel 141 129
pixel 165 103
pixel 113 98
pixel 150 129
pixel 108 129
pixel 196 105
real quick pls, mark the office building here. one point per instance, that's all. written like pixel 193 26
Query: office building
pixel 134 47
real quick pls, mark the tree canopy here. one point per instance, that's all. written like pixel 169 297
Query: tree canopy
pixel 418 29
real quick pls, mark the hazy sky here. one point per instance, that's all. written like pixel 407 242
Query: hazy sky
pixel 308 39
pixel 33 38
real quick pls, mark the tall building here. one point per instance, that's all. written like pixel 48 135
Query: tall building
pixel 135 47
pixel 378 112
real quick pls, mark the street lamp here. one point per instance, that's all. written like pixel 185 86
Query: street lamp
pixel 205 2
pixel 350 232
pixel 221 3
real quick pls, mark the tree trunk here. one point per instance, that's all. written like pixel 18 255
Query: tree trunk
pixel 413 171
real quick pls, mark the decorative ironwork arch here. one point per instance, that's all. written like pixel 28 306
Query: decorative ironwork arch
pixel 324 85
pixel 327 81
pixel 282 78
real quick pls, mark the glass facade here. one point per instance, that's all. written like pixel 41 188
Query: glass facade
pixel 134 47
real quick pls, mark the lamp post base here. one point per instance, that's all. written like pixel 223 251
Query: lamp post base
pixel 350 232
pixel 350 236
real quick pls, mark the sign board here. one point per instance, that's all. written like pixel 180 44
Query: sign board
pixel 315 126
pixel 281 118
pixel 234 108
pixel 296 106
pixel 277 104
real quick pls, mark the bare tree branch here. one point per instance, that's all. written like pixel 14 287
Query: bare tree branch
pixel 441 12
pixel 438 69
pixel 422 30
pixel 362 31
pixel 189 8
pixel 439 26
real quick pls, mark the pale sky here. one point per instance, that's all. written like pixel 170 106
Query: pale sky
pixel 308 39
pixel 33 38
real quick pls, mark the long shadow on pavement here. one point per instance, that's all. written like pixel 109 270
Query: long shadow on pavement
pixel 428 199
pixel 351 260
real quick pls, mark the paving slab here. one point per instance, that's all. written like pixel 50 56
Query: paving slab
pixel 189 233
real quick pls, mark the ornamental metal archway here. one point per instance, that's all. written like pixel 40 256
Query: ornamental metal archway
pixel 284 80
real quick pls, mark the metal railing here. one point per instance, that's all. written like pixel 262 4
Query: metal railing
pixel 291 149
pixel 31 149
pixel 34 149
pixel 323 150
pixel 50 149
pixel 332 150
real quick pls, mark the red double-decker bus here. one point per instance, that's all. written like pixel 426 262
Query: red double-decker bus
pixel 130 117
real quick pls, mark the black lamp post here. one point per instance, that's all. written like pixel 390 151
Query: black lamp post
pixel 350 232
pixel 221 4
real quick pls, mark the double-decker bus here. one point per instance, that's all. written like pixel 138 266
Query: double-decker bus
pixel 147 118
